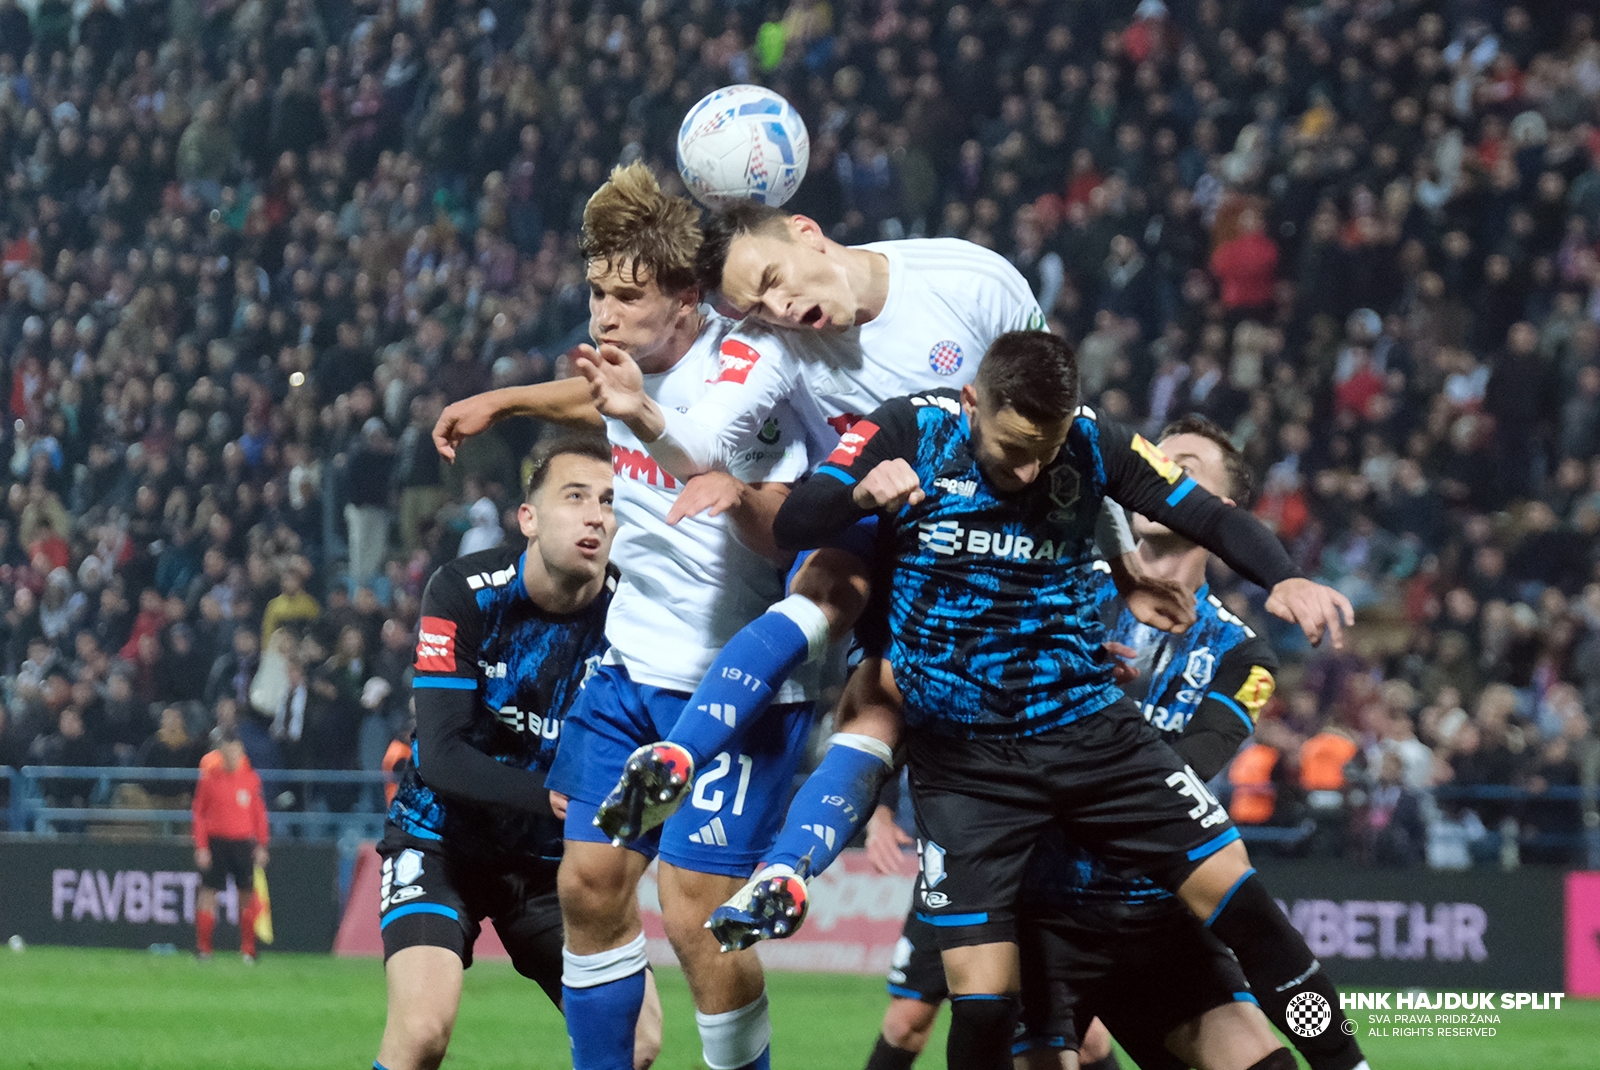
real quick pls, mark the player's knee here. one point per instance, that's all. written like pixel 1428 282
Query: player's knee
pixel 908 1022
pixel 595 898
pixel 1096 1043
pixel 421 1035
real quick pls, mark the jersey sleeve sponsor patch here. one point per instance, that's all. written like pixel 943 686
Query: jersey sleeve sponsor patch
pixel 1158 460
pixel 436 646
pixel 737 360
pixel 1255 691
pixel 852 442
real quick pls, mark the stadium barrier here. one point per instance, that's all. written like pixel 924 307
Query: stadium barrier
pixel 1402 928
pixel 30 810
pixel 84 892
pixel 1375 928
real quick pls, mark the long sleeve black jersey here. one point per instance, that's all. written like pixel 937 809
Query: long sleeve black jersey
pixel 495 676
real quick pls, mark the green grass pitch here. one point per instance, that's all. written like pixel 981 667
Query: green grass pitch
pixel 66 1009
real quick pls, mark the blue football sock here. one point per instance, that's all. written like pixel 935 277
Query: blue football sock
pixel 834 800
pixel 738 1039
pixel 601 995
pixel 748 672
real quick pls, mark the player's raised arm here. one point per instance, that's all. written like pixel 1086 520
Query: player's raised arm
pixel 563 401
pixel 869 472
pixel 756 373
pixel 1141 477
pixel 446 691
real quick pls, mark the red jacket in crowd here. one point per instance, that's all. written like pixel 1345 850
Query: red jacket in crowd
pixel 228 804
pixel 1246 268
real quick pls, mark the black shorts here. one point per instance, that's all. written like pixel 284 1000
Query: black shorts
pixel 433 896
pixel 1108 780
pixel 917 969
pixel 1142 969
pixel 231 858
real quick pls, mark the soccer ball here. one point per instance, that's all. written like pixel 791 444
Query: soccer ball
pixel 743 142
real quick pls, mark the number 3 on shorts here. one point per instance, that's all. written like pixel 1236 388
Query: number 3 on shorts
pixel 719 768
pixel 1190 786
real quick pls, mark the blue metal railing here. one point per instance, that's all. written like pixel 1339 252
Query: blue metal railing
pixel 30 809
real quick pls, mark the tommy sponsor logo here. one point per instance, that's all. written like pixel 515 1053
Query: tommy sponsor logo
pixel 852 442
pixel 711 834
pixel 737 360
pixel 436 645
pixel 640 467
pixel 947 537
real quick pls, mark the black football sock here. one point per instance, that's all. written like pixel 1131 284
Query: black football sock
pixel 981 1027
pixel 888 1057
pixel 1282 1059
pixel 1109 1062
pixel 1290 984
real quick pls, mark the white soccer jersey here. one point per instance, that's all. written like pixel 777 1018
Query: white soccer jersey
pixel 948 301
pixel 687 588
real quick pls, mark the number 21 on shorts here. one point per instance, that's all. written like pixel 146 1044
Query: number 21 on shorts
pixel 720 767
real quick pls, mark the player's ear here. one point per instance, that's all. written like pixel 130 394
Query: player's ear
pixel 969 398
pixel 1229 501
pixel 807 230
pixel 528 520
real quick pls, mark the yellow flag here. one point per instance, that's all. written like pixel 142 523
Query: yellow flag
pixel 264 903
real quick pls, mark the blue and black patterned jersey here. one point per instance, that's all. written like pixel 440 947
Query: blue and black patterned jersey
pixel 992 627
pixel 1203 690
pixel 495 676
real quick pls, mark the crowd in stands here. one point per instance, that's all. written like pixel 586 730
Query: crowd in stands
pixel 251 248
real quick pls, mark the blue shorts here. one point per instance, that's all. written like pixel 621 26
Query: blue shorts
pixel 740 796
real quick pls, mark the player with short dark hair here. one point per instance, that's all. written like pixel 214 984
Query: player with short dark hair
pixel 230 840
pixel 508 638
pixel 1013 722
pixel 1095 943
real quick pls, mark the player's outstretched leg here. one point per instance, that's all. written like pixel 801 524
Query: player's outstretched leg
pixel 738 687
pixel 1293 989
pixel 655 782
pixel 825 814
pixel 771 906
